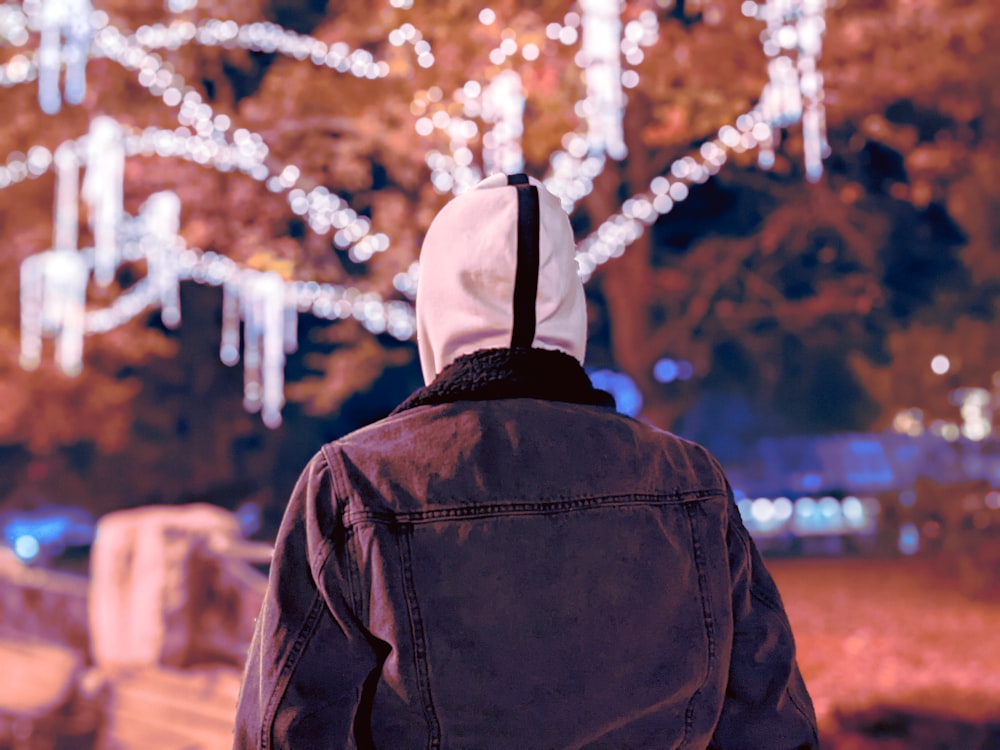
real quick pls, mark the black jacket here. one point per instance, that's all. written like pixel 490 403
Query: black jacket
pixel 506 562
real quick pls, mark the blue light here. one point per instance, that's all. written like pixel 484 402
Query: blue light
pixel 26 548
pixel 783 509
pixel 668 370
pixel 665 371
pixel 248 517
pixel 805 519
pixel 854 511
pixel 909 539
pixel 46 532
pixel 811 482
pixel 628 397
pixel 762 510
pixel 867 463
pixel 745 508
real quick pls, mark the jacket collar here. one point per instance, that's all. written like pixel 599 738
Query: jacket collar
pixel 491 374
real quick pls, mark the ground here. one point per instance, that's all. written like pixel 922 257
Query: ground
pixel 896 648
pixel 894 652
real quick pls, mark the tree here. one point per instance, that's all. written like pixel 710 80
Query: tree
pixel 770 286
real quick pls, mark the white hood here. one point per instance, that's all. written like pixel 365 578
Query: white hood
pixel 469 266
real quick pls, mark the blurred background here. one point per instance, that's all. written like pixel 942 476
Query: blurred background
pixel 788 218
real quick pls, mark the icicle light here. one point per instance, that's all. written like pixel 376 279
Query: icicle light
pixel 54 282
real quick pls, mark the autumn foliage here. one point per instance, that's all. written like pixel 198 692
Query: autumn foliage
pixel 819 305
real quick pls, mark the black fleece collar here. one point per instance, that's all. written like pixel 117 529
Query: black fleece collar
pixel 491 374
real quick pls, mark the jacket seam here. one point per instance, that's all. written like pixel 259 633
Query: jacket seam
pixel 350 542
pixel 419 641
pixel 773 606
pixel 291 662
pixel 805 714
pixel 352 517
pixel 708 621
pixel 767 601
pixel 777 609
pixel 339 489
pixel 353 571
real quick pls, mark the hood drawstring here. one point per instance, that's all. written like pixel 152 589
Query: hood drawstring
pixel 498 270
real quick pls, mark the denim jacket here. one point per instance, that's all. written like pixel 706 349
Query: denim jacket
pixel 506 562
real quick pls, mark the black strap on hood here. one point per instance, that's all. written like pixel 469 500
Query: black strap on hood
pixel 528 254
pixel 491 374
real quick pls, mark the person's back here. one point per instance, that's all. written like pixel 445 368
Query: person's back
pixel 506 562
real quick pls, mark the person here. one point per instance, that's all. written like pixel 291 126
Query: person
pixel 507 562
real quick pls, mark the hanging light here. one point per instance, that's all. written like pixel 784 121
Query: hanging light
pixel 793 42
pixel 54 283
pixel 604 106
pixel 53 293
pixel 103 192
pixel 161 215
pixel 263 303
pixel 503 106
pixel 66 32
pixel 67 219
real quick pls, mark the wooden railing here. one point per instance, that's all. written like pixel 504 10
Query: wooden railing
pixel 184 693
pixel 47 605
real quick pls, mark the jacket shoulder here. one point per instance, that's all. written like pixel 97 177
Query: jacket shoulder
pixel 547 449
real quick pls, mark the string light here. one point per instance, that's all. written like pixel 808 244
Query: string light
pixel 976 407
pixel 262 306
pixel 318 205
pixel 67 197
pixel 572 170
pixel 793 42
pixel 640 32
pixel 503 105
pixel 104 193
pixel 66 31
pixel 19 69
pixel 51 294
pixel 666 191
pixel 324 211
pixel 793 93
pixel 600 58
pixel 20 167
pixel 408 33
pixel 162 216
pixel 53 283
pixel 263 37
pixel 13 25
pixel 71 23
pixel 180 6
